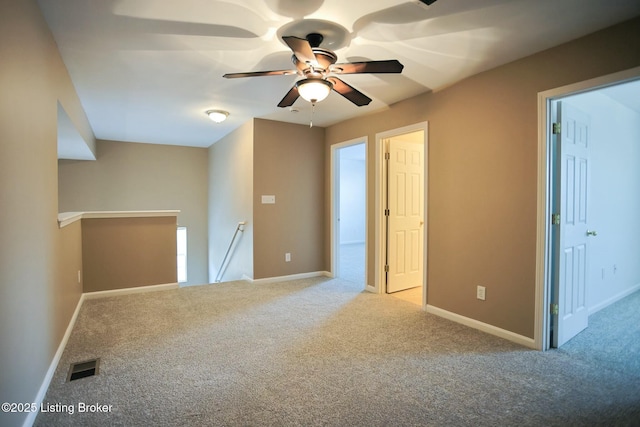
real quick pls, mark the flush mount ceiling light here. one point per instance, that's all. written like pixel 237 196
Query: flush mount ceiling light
pixel 217 116
pixel 314 90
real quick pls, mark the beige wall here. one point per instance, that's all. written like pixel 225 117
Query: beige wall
pixel 68 289
pixel 288 163
pixel 36 300
pixel 265 157
pixel 133 177
pixel 482 173
pixel 231 201
pixel 120 253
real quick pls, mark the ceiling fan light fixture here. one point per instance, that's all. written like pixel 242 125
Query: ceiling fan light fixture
pixel 217 116
pixel 314 90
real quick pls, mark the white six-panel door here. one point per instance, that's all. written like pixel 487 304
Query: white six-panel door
pixel 572 250
pixel 405 201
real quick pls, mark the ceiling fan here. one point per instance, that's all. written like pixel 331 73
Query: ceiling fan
pixel 318 67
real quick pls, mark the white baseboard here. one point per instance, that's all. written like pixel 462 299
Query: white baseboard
pixel 352 242
pixel 126 291
pixel 481 326
pixel 613 299
pixel 31 418
pixel 291 277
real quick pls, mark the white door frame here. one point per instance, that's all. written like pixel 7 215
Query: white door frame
pixel 544 273
pixel 335 204
pixel 380 230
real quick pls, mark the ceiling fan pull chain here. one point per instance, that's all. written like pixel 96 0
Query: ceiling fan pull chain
pixel 313 108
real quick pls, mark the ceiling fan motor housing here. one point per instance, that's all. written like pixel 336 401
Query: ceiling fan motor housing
pixel 325 58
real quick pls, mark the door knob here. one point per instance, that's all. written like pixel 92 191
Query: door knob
pixel 592 233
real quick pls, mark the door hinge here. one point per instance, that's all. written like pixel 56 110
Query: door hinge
pixel 386 268
pixel 386 212
pixel 555 219
pixel 556 128
pixel 387 156
pixel 554 309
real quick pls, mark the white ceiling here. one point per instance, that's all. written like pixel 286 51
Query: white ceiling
pixel 147 70
pixel 627 94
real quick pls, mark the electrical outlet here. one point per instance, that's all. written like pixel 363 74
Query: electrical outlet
pixel 481 292
pixel 287 257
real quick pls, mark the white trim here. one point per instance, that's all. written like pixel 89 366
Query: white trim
pixel 333 232
pixel 379 204
pixel 543 252
pixel 67 218
pixel 614 299
pixel 291 277
pixel 31 417
pixel 353 242
pixel 127 291
pixel 481 326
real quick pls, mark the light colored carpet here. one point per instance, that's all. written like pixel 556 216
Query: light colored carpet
pixel 321 352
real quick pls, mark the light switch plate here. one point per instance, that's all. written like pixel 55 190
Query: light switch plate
pixel 268 200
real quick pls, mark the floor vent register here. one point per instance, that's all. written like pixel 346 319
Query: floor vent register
pixel 85 369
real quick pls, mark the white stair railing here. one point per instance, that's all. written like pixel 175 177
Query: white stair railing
pixel 239 228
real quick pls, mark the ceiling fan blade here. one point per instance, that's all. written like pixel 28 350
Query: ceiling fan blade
pixel 349 92
pixel 260 74
pixel 289 98
pixel 390 66
pixel 301 49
